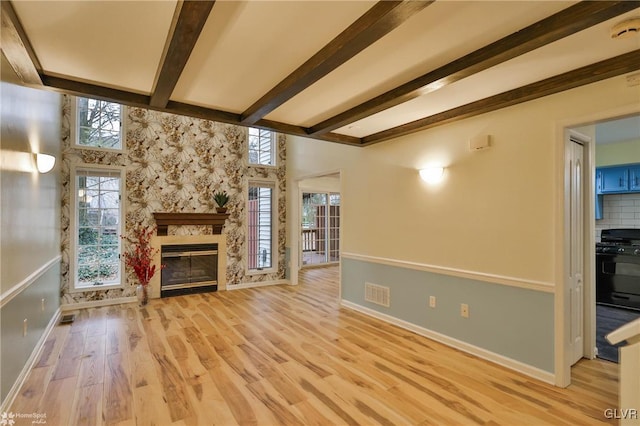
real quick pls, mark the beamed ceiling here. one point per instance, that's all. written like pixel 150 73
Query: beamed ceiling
pixel 353 72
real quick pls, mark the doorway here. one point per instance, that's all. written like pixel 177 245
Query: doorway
pixel 320 228
pixel 622 144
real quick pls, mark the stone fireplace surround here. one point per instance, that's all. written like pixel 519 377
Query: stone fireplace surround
pixel 158 241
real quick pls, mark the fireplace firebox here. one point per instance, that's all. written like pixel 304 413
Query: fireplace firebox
pixel 188 268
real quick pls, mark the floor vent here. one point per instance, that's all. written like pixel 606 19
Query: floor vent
pixel 377 294
pixel 67 319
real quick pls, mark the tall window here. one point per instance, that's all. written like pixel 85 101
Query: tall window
pixel 97 124
pixel 97 226
pixel 261 232
pixel 262 147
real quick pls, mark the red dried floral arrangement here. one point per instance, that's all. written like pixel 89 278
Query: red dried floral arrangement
pixel 140 258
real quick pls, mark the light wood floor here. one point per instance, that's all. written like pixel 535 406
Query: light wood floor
pixel 284 355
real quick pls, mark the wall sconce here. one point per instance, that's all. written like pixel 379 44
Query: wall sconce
pixel 432 174
pixel 45 162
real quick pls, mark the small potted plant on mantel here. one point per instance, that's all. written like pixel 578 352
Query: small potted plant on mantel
pixel 221 199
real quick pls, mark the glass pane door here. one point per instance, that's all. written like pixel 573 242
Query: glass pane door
pixel 320 233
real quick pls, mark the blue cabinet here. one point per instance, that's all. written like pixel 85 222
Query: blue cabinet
pixel 634 178
pixel 612 180
pixel 618 179
pixel 623 179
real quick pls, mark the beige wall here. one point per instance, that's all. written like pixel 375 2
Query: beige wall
pixel 618 153
pixel 496 211
pixel 29 223
pixel 321 184
pixel 30 211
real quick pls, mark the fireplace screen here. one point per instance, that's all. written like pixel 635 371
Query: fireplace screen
pixel 189 266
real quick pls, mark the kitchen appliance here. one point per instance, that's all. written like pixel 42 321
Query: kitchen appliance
pixel 618 268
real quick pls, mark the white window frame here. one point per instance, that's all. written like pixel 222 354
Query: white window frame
pixel 270 183
pixel 73 208
pixel 75 130
pixel 274 150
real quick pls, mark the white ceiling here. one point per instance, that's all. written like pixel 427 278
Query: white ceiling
pixel 621 130
pixel 248 47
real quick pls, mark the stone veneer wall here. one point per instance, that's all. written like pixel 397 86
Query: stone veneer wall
pixel 174 164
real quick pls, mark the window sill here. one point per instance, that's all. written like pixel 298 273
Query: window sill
pixel 266 166
pixel 254 272
pixel 96 288
pixel 97 148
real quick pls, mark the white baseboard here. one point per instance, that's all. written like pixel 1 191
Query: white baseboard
pixel 13 392
pixel 97 303
pixel 257 284
pixel 504 361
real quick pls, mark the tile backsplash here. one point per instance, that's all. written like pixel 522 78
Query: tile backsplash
pixel 619 211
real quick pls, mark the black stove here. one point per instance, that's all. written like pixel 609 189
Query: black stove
pixel 623 241
pixel 618 268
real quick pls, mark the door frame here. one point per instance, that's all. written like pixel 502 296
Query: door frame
pixel 562 320
pixel 295 217
pixel 562 290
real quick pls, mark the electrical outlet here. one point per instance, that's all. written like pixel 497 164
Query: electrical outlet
pixel 432 301
pixel 464 310
pixel 42 305
pixel 24 328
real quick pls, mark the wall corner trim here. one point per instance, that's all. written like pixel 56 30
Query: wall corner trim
pixel 13 392
pixel 504 361
pixel 543 286
pixel 8 295
pixel 242 286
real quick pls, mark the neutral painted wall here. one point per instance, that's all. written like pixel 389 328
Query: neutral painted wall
pixel 494 212
pixel 618 153
pixel 321 184
pixel 497 213
pixel 29 221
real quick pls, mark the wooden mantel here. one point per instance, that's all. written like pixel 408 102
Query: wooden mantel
pixel 216 220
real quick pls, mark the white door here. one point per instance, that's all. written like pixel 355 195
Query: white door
pixel 576 250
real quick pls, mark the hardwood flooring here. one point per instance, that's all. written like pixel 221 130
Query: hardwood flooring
pixel 283 355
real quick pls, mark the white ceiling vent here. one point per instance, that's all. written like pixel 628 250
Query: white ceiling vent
pixel 627 28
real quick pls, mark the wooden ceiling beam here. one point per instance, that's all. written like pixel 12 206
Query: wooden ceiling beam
pixel 378 21
pixel 622 64
pixel 17 48
pixel 78 88
pixel 562 24
pixel 188 20
pixel 304 132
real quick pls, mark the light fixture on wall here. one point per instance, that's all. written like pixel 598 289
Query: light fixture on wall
pixel 432 174
pixel 45 162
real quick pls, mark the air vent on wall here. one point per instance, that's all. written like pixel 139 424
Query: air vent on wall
pixel 627 28
pixel 377 294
